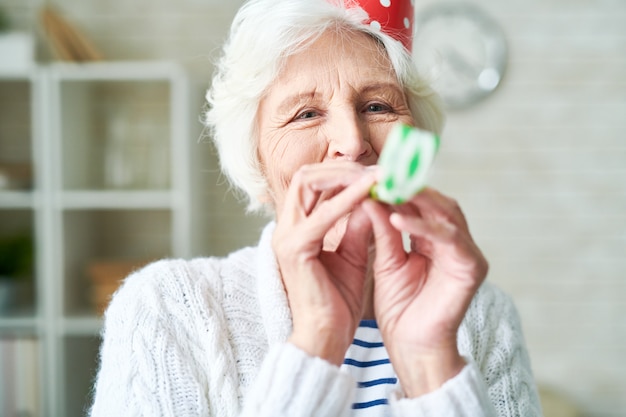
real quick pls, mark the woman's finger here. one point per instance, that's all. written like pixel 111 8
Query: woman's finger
pixel 431 204
pixel 346 186
pixel 390 253
pixel 435 231
pixel 448 247
pixel 356 239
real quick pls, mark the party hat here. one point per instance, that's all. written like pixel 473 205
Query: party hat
pixel 393 17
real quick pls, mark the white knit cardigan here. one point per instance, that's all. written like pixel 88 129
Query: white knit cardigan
pixel 207 337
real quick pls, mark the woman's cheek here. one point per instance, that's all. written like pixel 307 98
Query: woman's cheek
pixel 304 150
pixel 285 159
pixel 379 132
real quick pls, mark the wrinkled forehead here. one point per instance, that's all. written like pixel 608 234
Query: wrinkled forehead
pixel 337 47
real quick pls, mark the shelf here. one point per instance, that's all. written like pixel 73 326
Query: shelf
pixel 139 71
pixel 21 324
pixel 95 170
pixel 16 199
pixel 116 200
pixel 108 235
pixel 114 134
pixel 10 76
pixel 81 326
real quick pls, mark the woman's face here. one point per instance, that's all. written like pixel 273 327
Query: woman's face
pixel 338 99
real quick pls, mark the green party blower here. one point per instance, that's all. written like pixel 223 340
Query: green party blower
pixel 405 161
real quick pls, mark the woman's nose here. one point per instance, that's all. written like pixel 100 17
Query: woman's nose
pixel 349 139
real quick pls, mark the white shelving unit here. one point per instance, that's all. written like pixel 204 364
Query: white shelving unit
pixel 108 144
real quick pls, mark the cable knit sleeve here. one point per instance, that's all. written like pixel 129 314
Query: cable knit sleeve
pixel 497 380
pixel 174 345
pixel 144 369
pixel 493 334
pixel 292 383
pixel 177 341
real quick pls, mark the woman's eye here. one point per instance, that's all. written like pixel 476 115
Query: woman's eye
pixel 309 114
pixel 377 108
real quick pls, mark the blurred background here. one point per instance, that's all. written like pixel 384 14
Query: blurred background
pixel 104 166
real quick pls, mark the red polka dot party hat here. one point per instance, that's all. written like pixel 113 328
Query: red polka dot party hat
pixel 394 17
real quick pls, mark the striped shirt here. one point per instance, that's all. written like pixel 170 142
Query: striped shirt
pixel 368 363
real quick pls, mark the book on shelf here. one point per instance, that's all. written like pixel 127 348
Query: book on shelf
pixel 66 41
pixel 19 377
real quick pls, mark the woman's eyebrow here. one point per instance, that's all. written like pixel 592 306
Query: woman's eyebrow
pixel 294 100
pixel 383 87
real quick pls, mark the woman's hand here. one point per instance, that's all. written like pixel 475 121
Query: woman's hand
pixel 420 297
pixel 324 289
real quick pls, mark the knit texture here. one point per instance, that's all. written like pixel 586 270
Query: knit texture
pixel 207 337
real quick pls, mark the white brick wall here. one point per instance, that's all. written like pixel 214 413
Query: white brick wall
pixel 539 167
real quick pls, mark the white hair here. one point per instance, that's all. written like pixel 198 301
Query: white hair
pixel 263 34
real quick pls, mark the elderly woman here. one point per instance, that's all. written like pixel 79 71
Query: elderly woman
pixel 329 315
